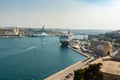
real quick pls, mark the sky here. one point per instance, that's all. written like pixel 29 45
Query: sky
pixel 72 14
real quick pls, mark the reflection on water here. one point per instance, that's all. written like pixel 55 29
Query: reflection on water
pixel 63 47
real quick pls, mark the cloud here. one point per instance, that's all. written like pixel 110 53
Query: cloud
pixel 80 14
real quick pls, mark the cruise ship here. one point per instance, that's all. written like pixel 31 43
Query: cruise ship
pixel 39 35
pixel 42 34
pixel 65 38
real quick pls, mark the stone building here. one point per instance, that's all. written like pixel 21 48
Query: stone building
pixel 92 37
pixel 116 55
pixel 101 48
pixel 107 49
pixel 110 68
pixel 15 31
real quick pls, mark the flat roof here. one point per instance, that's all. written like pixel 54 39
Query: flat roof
pixel 112 67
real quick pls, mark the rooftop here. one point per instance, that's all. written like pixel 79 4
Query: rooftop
pixel 112 67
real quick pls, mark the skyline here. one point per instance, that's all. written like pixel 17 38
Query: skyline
pixel 72 14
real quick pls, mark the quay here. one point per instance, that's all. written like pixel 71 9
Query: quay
pixel 4 35
pixel 68 73
pixel 79 51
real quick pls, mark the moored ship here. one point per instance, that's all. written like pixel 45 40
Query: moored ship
pixel 41 34
pixel 65 39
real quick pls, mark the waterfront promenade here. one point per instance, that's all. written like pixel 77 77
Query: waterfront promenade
pixel 68 73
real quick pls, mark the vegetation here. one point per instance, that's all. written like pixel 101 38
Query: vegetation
pixel 113 36
pixel 90 73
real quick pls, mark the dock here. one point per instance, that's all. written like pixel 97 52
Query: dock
pixel 79 51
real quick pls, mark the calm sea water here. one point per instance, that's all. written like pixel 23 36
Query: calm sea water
pixel 34 58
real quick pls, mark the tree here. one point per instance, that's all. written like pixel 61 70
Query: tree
pixel 90 73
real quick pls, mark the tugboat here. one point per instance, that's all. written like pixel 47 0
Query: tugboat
pixel 65 38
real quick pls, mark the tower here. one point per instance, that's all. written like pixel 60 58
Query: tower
pixel 15 31
pixel 107 49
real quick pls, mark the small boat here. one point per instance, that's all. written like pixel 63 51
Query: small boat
pixel 42 44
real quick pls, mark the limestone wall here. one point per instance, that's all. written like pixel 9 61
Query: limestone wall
pixel 111 76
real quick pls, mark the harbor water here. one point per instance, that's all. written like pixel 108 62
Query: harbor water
pixel 34 58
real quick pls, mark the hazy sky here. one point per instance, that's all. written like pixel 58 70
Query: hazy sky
pixel 76 14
